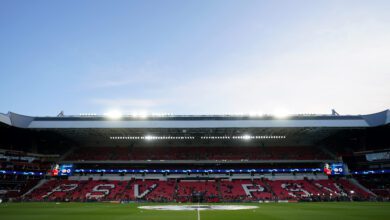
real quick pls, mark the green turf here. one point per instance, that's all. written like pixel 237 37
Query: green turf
pixel 288 211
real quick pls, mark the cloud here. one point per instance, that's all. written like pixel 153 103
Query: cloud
pixel 337 61
pixel 345 67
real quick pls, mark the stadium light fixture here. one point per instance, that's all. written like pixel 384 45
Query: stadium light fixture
pixel 114 115
pixel 142 114
pixel 281 113
pixel 152 137
pixel 225 137
pixel 246 137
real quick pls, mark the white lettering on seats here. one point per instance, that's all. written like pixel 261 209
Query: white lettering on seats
pixel 99 191
pixel 248 188
pixel 294 190
pixel 146 192
pixel 326 188
pixel 62 188
pixel 340 189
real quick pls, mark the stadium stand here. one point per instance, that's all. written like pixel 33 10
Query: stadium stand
pixel 378 184
pixel 188 190
pixel 312 162
pixel 14 186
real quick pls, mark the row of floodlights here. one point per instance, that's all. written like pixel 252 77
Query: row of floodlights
pixel 242 137
pixel 245 137
pixel 88 114
pixel 116 114
pixel 152 138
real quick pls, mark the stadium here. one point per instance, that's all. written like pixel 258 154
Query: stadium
pixel 195 162
pixel 194 110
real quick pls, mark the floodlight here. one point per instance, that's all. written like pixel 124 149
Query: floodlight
pixel 115 114
pixel 142 114
pixel 246 137
pixel 148 137
pixel 281 113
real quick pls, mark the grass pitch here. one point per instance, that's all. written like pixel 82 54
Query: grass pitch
pixel 270 211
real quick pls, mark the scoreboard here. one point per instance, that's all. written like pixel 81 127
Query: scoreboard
pixel 65 170
pixel 62 170
pixel 334 169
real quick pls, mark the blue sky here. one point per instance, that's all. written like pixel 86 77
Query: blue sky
pixel 194 57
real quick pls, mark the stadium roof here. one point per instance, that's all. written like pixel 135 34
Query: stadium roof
pixel 96 130
pixel 197 121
